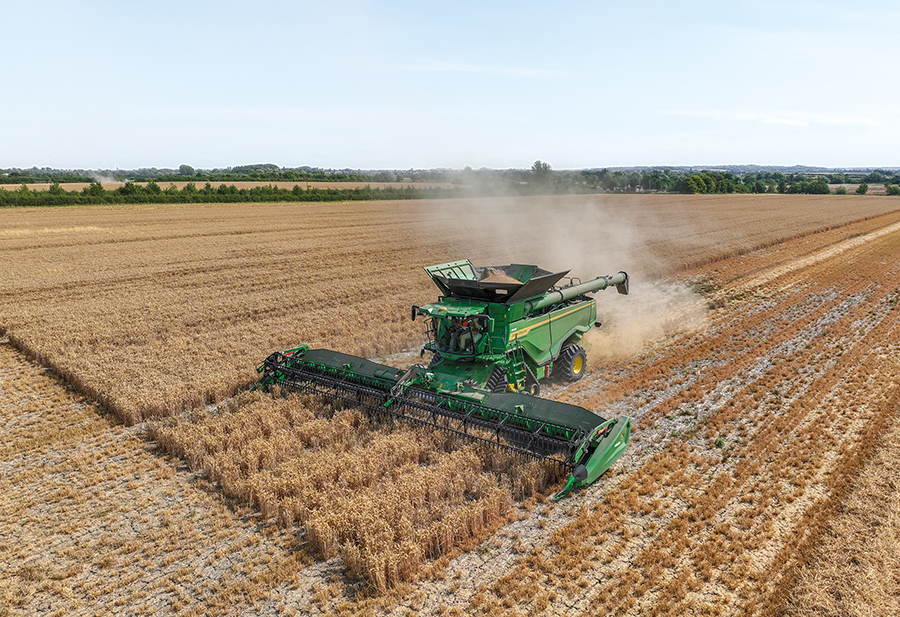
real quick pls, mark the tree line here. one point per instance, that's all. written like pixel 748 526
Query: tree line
pixel 151 192
pixel 243 173
pixel 541 178
pixel 642 179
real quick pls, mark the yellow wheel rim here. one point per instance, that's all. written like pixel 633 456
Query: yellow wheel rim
pixel 577 365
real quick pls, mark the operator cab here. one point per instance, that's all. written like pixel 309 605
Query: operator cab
pixel 456 330
pixel 459 335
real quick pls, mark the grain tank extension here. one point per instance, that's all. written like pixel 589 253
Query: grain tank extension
pixel 493 335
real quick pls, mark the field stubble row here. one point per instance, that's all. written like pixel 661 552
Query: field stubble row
pixel 94 522
pixel 735 486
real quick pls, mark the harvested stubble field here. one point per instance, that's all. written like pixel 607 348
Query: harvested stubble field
pixel 92 521
pixel 752 417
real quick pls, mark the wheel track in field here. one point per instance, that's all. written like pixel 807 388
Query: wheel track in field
pixel 780 270
pixel 620 389
pixel 768 452
pixel 781 450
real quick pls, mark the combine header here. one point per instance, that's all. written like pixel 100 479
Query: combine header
pixel 493 335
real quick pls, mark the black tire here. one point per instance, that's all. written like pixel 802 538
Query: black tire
pixel 497 381
pixel 572 362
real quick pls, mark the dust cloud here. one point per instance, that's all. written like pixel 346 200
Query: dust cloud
pixel 585 236
pixel 104 179
pixel 589 238
pixel 653 312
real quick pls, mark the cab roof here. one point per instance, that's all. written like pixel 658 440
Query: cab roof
pixel 452 309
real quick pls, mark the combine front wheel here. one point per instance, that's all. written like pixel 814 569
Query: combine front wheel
pixel 497 381
pixel 572 360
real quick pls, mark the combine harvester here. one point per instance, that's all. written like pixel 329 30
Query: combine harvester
pixel 493 334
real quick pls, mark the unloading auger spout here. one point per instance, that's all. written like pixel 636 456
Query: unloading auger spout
pixel 493 335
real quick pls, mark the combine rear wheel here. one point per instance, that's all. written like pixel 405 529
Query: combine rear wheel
pixel 572 361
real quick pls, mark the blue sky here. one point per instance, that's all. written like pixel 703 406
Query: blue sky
pixel 373 85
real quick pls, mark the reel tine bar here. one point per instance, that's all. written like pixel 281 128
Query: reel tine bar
pixel 421 408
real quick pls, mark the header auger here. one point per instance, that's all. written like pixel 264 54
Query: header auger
pixel 493 334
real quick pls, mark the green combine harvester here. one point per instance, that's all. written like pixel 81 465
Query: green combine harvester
pixel 493 334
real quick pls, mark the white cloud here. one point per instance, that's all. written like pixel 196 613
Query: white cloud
pixel 791 118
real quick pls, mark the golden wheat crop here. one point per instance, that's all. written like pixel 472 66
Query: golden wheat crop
pixel 853 570
pixel 386 498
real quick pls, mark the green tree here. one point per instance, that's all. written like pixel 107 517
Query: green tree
pixel 186 170
pixel 819 187
pixel 693 184
pixel 94 189
pixel 862 189
pixel 128 189
pixel 892 189
pixel 875 176
pixel 541 171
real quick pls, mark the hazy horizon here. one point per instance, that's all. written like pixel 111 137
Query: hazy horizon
pixel 750 167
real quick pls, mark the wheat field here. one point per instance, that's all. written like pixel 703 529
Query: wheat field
pixel 153 309
pixel 754 325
